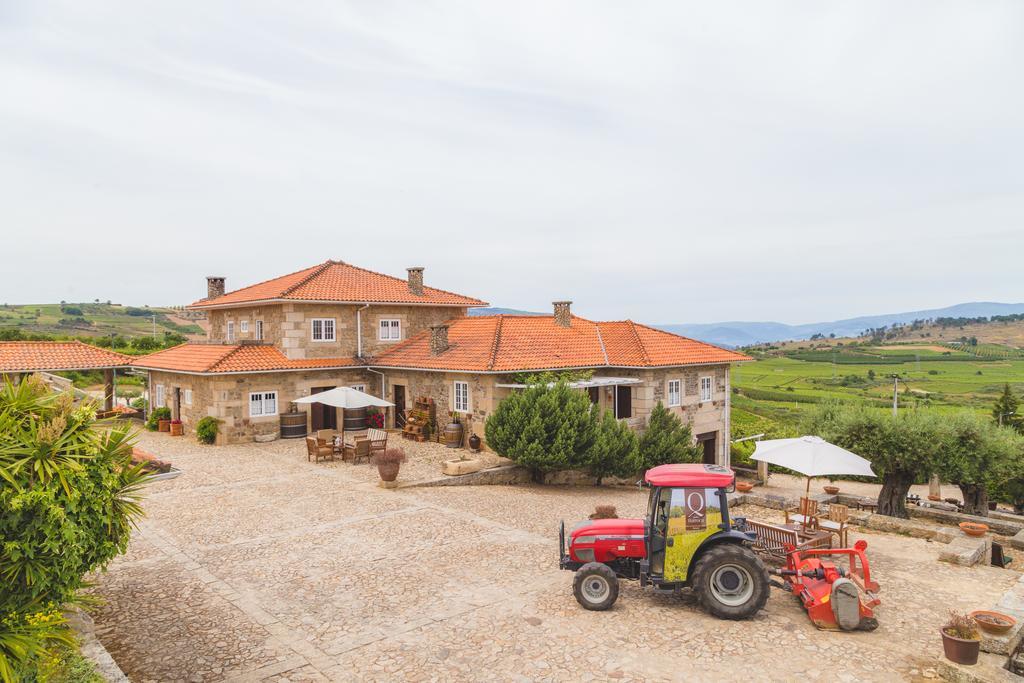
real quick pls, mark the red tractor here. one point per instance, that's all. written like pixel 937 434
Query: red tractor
pixel 687 539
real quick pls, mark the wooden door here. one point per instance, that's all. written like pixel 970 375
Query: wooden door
pixel 323 416
pixel 399 401
pixel 709 441
pixel 623 401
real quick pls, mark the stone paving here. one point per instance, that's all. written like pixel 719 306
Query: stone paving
pixel 257 565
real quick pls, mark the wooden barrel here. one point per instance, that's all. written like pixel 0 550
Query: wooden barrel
pixel 293 425
pixel 355 419
pixel 453 435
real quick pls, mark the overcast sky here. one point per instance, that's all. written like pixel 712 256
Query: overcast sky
pixel 667 162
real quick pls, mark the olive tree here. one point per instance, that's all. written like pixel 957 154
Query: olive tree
pixel 978 457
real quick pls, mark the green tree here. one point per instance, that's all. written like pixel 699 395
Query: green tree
pixel 1006 411
pixel 614 452
pixel 977 457
pixel 901 449
pixel 68 498
pixel 544 428
pixel 666 440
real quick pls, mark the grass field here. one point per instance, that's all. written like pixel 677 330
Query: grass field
pixel 772 394
pixel 90 320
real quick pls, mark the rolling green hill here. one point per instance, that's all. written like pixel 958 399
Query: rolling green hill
pixel 87 320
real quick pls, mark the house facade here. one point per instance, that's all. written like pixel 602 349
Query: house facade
pixel 336 324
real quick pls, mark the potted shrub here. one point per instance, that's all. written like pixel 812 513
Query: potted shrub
pixel 159 419
pixel 176 428
pixel 388 463
pixel 207 428
pixel 961 640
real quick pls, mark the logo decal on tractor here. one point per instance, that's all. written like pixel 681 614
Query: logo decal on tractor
pixel 696 516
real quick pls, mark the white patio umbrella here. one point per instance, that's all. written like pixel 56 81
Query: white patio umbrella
pixel 811 456
pixel 345 398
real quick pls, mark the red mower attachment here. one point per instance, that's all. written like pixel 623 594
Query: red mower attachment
pixel 836 598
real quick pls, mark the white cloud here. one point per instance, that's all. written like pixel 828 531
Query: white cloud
pixel 670 162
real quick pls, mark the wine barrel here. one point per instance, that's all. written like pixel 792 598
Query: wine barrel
pixel 293 425
pixel 453 435
pixel 355 419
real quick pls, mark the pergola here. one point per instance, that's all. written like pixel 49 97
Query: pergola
pixel 18 358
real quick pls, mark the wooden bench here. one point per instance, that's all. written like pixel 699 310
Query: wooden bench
pixel 777 540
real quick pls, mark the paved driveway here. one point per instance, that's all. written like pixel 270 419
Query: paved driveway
pixel 256 565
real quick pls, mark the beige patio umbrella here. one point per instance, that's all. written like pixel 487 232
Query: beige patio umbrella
pixel 811 456
pixel 345 398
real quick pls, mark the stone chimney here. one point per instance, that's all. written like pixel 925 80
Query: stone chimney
pixel 214 286
pixel 416 280
pixel 563 316
pixel 438 339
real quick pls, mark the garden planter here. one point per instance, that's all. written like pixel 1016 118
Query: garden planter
pixel 177 429
pixel 744 486
pixel 935 499
pixel 959 650
pixel 474 443
pixel 163 425
pixel 388 471
pixel 974 528
pixel 996 623
pixel 453 435
pixel 831 490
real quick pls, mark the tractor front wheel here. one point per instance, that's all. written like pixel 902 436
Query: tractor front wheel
pixel 731 582
pixel 595 586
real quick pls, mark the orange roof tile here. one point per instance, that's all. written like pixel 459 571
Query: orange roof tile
pixel 219 358
pixel 510 343
pixel 29 356
pixel 338 281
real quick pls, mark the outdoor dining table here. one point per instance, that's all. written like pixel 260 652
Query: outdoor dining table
pixel 867 504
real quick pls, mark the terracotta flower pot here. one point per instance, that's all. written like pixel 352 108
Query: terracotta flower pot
pixel 959 650
pixel 935 499
pixel 831 490
pixel 744 486
pixel 388 471
pixel 993 622
pixel 177 429
pixel 974 528
pixel 163 425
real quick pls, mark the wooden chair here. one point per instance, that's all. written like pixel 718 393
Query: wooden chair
pixel 807 517
pixel 378 439
pixel 837 522
pixel 316 452
pixel 360 448
pixel 775 540
pixel 325 436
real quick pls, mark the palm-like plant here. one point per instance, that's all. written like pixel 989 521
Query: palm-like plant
pixel 69 496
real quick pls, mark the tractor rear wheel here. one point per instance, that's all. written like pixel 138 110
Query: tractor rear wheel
pixel 595 586
pixel 731 582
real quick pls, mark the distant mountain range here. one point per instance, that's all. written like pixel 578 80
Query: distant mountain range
pixel 736 333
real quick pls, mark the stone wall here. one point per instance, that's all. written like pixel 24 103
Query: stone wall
pixel 289 326
pixel 226 397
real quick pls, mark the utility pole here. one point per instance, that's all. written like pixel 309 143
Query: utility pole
pixel 895 393
pixel 153 318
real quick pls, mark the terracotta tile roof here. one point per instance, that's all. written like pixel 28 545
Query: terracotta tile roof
pixel 510 343
pixel 23 356
pixel 338 281
pixel 218 358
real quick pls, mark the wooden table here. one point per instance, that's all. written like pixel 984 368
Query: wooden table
pixel 869 505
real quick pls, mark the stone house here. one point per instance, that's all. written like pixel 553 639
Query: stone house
pixel 335 324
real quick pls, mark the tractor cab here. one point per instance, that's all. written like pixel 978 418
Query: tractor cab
pixel 686 540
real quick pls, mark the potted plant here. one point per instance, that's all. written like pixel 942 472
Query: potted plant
pixel 388 463
pixel 176 428
pixel 974 528
pixel 159 419
pixel 961 640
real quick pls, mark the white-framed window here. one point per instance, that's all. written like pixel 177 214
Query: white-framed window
pixel 230 330
pixel 259 329
pixel 186 397
pixel 243 327
pixel 359 387
pixel 390 330
pixel 460 397
pixel 323 330
pixel 675 392
pixel 160 396
pixel 262 403
pixel 706 389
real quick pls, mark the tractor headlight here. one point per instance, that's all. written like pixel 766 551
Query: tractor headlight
pixel 585 540
pixel 585 554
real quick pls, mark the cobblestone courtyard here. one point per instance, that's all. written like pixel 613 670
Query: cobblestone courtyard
pixel 256 565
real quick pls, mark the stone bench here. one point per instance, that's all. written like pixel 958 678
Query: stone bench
pixel 967 551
